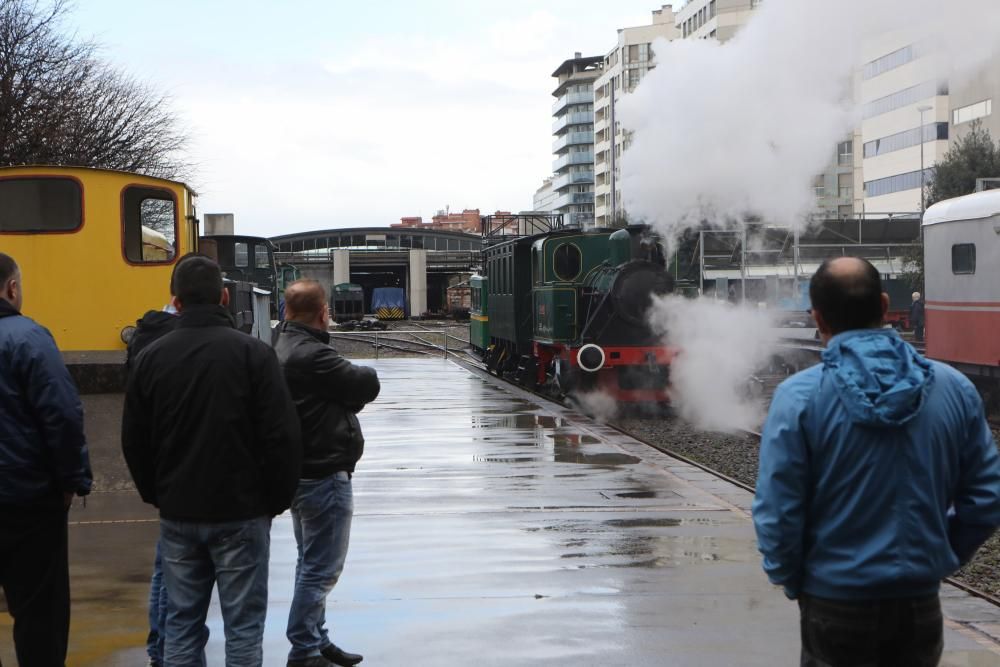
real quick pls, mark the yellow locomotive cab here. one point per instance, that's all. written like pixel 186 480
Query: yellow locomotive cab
pixel 96 247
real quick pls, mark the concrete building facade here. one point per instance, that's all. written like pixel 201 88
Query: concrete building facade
pixel 573 139
pixel 545 197
pixel 623 69
pixel 905 114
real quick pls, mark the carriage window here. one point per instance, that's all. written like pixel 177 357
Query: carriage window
pixel 566 261
pixel 260 259
pixel 242 254
pixel 963 258
pixel 149 221
pixel 40 205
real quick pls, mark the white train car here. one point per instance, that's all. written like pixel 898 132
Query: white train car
pixel 962 278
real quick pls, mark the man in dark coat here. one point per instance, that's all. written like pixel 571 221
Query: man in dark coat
pixel 917 316
pixel 328 391
pixel 211 438
pixel 43 463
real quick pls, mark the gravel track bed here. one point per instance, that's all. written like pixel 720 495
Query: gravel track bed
pixel 736 457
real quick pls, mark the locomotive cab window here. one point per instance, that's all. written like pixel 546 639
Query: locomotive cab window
pixel 261 260
pixel 566 262
pixel 242 254
pixel 149 221
pixel 963 258
pixel 40 205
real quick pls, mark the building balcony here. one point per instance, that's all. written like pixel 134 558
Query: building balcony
pixel 573 178
pixel 564 101
pixel 570 159
pixel 564 141
pixel 575 118
pixel 573 198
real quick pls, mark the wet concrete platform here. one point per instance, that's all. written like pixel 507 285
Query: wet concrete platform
pixel 492 529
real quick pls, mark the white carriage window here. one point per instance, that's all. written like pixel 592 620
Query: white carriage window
pixel 242 253
pixel 149 225
pixel 963 258
pixel 40 205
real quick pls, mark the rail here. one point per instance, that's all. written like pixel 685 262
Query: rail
pixel 392 336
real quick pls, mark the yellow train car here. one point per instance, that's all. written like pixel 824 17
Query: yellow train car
pixel 96 247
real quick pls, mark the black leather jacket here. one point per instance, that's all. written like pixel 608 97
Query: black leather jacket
pixel 328 391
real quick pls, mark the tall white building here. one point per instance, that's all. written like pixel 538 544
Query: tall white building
pixel 573 139
pixel 624 67
pixel 904 127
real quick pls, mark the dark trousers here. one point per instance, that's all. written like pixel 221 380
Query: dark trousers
pixel 918 332
pixel 907 632
pixel 34 572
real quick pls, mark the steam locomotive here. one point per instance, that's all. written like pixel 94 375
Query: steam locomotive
pixel 566 311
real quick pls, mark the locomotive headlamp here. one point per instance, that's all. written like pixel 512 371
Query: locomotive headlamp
pixel 590 358
pixel 127 333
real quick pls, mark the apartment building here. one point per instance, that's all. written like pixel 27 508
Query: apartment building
pixel 624 67
pixel 714 19
pixel 545 197
pixel 573 139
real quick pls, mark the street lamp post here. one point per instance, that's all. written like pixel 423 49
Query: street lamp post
pixel 924 109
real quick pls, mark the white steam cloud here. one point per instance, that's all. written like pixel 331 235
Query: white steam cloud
pixel 726 130
pixel 720 347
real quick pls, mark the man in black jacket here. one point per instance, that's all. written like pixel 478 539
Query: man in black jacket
pixel 211 439
pixel 43 464
pixel 328 391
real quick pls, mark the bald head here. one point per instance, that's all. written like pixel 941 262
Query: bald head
pixel 846 293
pixel 305 303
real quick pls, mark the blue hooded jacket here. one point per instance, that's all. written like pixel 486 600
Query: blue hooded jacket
pixel 878 473
pixel 43 450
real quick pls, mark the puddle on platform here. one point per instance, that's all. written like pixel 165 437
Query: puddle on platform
pixel 637 494
pixel 643 523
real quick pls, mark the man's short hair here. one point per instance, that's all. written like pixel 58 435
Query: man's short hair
pixel 304 300
pixel 8 268
pixel 197 281
pixel 847 298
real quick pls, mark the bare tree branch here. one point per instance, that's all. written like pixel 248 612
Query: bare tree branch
pixel 60 104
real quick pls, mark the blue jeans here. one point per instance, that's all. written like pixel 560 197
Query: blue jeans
pixel 321 518
pixel 196 557
pixel 157 611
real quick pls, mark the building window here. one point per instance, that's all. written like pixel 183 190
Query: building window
pixel 711 9
pixel 972 112
pixel 149 225
pixel 963 258
pixel 845 153
pixel 907 139
pixel 904 98
pixel 898 183
pixel 40 205
pixel 889 62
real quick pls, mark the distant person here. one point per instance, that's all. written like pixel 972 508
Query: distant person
pixel 328 391
pixel 917 316
pixel 211 438
pixel 44 462
pixel 878 477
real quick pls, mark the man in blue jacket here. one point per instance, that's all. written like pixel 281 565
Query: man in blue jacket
pixel 43 464
pixel 878 477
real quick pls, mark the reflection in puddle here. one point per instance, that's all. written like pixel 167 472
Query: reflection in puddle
pixel 643 523
pixel 637 494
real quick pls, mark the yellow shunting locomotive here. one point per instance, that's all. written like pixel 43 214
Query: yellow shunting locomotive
pixel 96 247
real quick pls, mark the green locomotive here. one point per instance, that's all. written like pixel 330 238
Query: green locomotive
pixel 567 310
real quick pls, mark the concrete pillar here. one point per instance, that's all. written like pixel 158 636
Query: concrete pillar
pixel 417 294
pixel 341 266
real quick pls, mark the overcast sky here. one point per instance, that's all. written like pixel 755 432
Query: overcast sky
pixel 312 114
